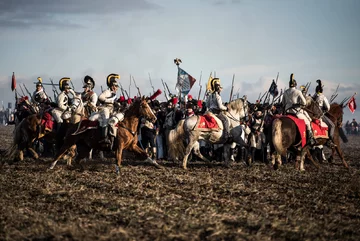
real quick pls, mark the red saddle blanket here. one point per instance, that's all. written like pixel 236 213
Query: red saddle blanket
pixel 47 121
pixel 85 125
pixel 207 122
pixel 318 131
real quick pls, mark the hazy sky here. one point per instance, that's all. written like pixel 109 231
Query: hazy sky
pixel 253 39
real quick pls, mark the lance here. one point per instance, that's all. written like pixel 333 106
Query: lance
pixel 348 100
pixel 334 95
pixel 259 96
pixel 232 88
pixel 28 92
pixel 129 84
pixel 167 87
pixel 137 87
pixel 166 96
pixel 102 90
pixel 151 83
pixel 123 91
pixel 200 86
pixel 263 96
pixel 22 90
pixel 54 88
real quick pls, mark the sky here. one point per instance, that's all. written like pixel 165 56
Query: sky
pixel 251 39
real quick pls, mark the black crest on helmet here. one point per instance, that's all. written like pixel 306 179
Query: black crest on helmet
pixel 292 82
pixel 319 87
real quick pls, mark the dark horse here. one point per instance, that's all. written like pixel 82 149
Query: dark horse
pixel 126 136
pixel 286 136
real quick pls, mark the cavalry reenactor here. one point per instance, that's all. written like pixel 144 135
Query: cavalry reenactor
pixel 89 97
pixel 62 112
pixel 216 106
pixel 293 102
pixel 107 99
pixel 324 104
pixel 39 96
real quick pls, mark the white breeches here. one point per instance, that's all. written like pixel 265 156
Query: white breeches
pixel 102 116
pixel 56 114
pixel 304 116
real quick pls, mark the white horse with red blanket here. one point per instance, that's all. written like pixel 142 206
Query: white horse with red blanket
pixel 209 128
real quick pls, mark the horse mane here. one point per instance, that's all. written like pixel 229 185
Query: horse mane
pixel 131 109
pixel 336 109
pixel 236 104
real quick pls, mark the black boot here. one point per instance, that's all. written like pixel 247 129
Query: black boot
pixel 104 136
pixel 310 138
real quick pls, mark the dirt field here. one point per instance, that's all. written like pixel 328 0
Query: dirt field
pixel 207 202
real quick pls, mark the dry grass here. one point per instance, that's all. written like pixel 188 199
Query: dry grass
pixel 207 202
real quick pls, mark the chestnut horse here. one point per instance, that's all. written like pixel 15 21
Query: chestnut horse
pixel 24 135
pixel 126 136
pixel 286 136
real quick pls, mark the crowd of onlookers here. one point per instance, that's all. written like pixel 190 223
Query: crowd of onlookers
pixel 352 128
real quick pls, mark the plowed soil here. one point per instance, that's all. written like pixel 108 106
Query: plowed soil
pixel 206 202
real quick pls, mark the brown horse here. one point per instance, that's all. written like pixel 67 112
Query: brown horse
pixel 24 135
pixel 126 136
pixel 286 136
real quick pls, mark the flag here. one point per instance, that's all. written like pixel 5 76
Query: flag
pixel 273 90
pixel 184 82
pixel 13 82
pixel 352 105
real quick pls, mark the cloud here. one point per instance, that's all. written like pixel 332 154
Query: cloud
pixel 28 13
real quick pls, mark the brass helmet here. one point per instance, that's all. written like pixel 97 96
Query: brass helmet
pixel 215 84
pixel 111 80
pixel 64 83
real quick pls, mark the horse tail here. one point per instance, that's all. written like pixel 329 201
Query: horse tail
pixel 176 139
pixel 342 135
pixel 277 137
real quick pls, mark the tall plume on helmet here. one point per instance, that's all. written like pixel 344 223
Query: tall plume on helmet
pixel 319 87
pixel 156 94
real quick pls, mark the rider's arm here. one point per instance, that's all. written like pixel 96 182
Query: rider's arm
pixel 219 102
pixel 326 104
pixel 301 98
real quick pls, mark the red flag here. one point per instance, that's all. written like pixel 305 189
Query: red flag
pixel 13 82
pixel 352 105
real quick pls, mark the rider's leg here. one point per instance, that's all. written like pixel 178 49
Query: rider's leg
pixel 103 122
pixel 307 120
pixel 331 127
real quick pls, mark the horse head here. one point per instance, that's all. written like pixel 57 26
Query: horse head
pixel 141 107
pixel 239 107
pixel 336 111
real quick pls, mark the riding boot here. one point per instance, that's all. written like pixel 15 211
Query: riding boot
pixel 232 154
pixel 330 144
pixel 104 135
pixel 154 156
pixel 58 127
pixel 310 138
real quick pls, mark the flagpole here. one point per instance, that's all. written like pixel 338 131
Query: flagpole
pixel 177 61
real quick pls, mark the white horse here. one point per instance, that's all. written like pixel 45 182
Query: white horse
pixel 189 130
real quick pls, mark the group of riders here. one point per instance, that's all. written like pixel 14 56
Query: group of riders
pixel 169 113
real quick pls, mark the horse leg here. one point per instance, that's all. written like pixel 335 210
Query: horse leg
pixel 198 153
pixel 60 155
pixel 33 153
pixel 188 149
pixel 340 153
pixel 140 151
pixel 308 155
pixel 70 154
pixel 118 154
pixel 227 154
pixel 21 155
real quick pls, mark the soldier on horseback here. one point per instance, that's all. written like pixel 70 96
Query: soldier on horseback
pixel 107 99
pixel 293 102
pixel 323 102
pixel 39 95
pixel 89 97
pixel 216 106
pixel 63 111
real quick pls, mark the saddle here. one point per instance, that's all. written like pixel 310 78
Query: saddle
pixel 208 123
pixel 85 125
pixel 320 130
